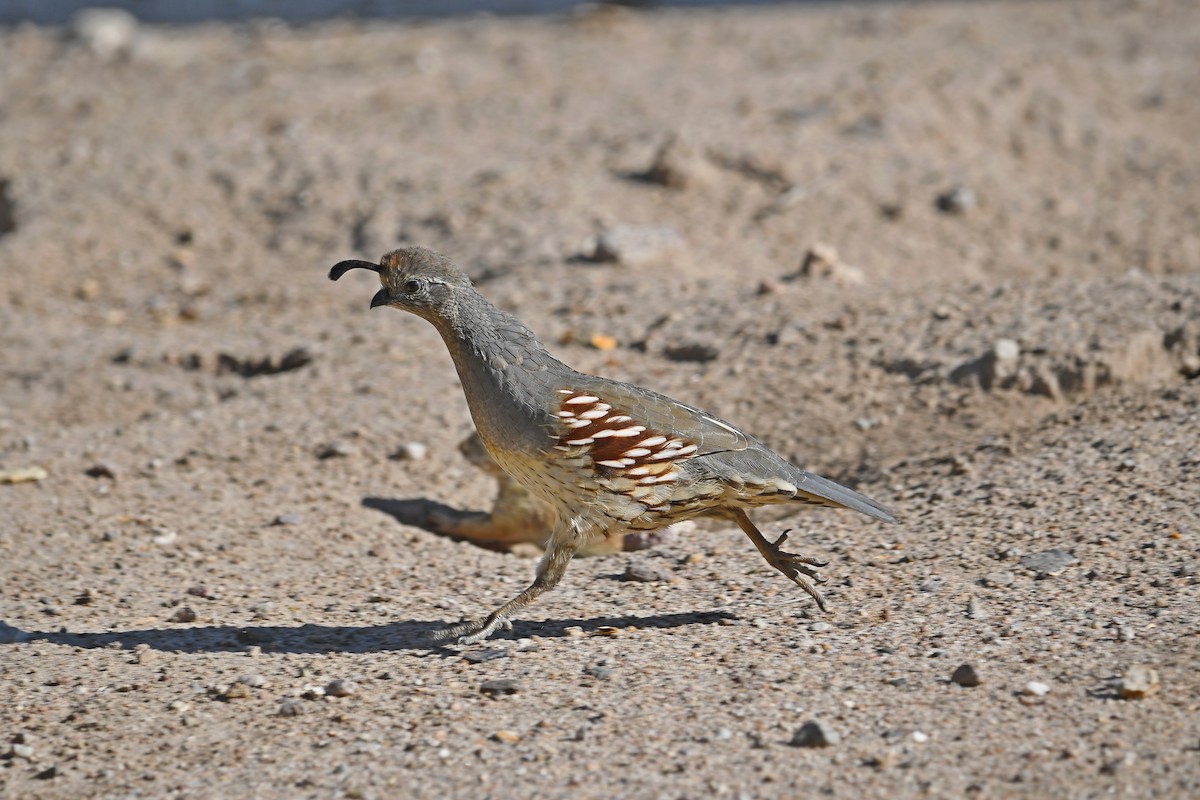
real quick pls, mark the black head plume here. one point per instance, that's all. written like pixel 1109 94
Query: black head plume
pixel 342 267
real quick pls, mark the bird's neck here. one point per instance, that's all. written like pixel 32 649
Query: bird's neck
pixel 502 365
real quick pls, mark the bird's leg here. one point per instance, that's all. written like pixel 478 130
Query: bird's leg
pixel 799 569
pixel 560 549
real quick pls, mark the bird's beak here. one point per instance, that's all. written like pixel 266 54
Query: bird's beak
pixel 381 298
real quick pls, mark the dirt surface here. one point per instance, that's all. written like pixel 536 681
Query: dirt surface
pixel 208 588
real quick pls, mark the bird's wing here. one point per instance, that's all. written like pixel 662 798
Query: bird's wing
pixel 660 413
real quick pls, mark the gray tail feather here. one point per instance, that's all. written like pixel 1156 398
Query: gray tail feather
pixel 839 495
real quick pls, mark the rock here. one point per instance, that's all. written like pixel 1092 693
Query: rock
pixel 693 352
pixel 637 245
pixel 506 737
pixel 820 627
pixel 23 475
pixel 1183 346
pixel 1037 689
pixel 815 733
pixel 24 751
pixel 822 262
pixel 183 614
pixel 955 200
pixel 101 469
pixel 163 536
pixel 1048 562
pixel 235 691
pixel 976 609
pixel 341 688
pixel 482 656
pixel 108 32
pixel 998 579
pixel 338 449
pixel 643 572
pixel 254 680
pixel 499 687
pixel 410 451
pixel 47 773
pixel 290 707
pixel 573 631
pixel 599 671
pixel 966 675
pixel 1139 681
pixel 679 165
pixel 998 368
pixel 287 519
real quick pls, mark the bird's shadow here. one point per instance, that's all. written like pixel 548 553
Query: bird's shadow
pixel 420 512
pixel 310 638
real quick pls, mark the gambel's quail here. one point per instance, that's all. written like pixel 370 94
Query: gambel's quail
pixel 608 457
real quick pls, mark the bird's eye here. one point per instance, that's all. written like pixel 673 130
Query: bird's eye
pixel 412 287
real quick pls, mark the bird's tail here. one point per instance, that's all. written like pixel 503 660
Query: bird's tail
pixel 827 492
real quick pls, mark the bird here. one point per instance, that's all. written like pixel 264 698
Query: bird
pixel 607 457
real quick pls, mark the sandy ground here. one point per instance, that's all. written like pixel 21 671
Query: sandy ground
pixel 1004 348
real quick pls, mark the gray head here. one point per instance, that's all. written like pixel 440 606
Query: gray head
pixel 414 279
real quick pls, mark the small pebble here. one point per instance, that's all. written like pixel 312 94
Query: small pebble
pixel 24 751
pixel 1048 562
pixel 574 631
pixel 644 572
pixel 815 733
pixel 599 672
pixel 976 609
pixel 338 449
pixel 254 680
pixel 998 579
pixel 1037 688
pixel 47 773
pixel 481 656
pixel 290 708
pixel 183 614
pixel 164 536
pixel 410 451
pixel 108 32
pixel 341 688
pixel 1139 681
pixel 287 519
pixel 23 475
pixel 236 691
pixel 500 687
pixel 101 470
pixel 820 627
pixel 637 245
pixel 956 200
pixel 966 675
pixel 920 737
pixel 506 737
pixel 200 590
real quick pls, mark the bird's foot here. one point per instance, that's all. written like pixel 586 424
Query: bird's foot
pixel 472 631
pixel 799 569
